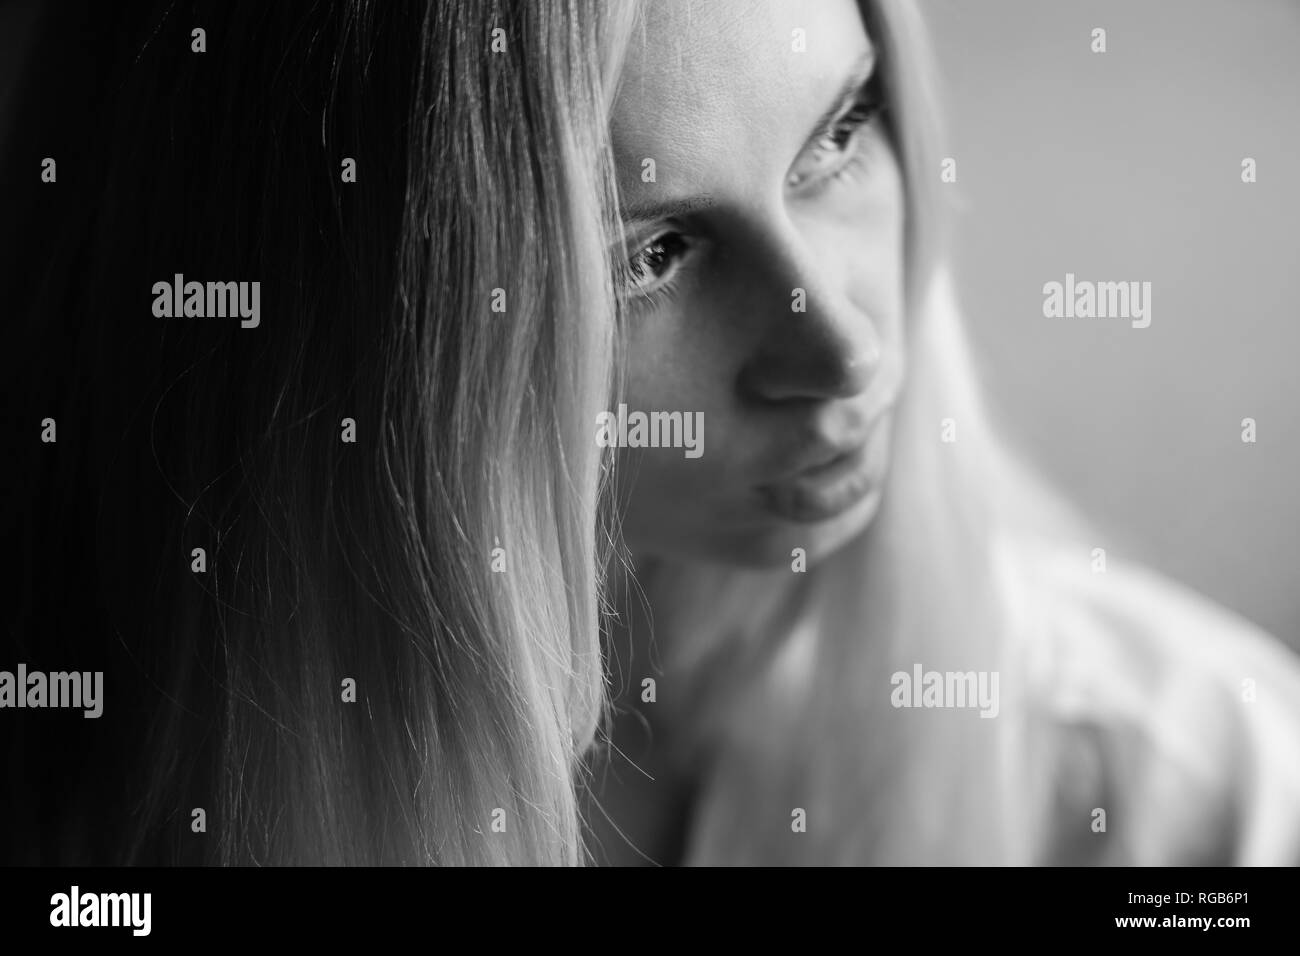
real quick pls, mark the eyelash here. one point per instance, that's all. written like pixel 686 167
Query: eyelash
pixel 667 292
pixel 868 108
pixel 666 288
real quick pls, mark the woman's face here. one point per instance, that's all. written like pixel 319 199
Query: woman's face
pixel 765 260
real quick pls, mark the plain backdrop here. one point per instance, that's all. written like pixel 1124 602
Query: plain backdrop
pixel 1123 165
pixel 1126 165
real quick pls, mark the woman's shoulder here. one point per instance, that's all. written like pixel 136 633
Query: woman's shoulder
pixel 1177 718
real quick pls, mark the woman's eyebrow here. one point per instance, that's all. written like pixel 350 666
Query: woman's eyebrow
pixel 665 209
pixel 858 76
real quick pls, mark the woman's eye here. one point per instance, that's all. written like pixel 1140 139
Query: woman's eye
pixel 834 149
pixel 652 265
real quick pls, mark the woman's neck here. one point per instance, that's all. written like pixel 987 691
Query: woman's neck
pixel 687 643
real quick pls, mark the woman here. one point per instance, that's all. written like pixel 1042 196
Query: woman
pixel 419 571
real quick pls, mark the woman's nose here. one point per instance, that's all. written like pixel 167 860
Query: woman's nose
pixel 829 350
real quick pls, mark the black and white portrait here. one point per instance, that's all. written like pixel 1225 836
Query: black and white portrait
pixel 650 433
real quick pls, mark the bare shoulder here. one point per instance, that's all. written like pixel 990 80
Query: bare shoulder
pixel 1175 717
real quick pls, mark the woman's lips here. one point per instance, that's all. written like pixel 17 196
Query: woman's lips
pixel 825 490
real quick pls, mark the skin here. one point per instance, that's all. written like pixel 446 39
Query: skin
pixel 716 96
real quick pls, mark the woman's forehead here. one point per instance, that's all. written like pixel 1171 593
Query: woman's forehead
pixel 727 81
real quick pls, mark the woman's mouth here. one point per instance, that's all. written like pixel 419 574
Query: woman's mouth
pixel 825 490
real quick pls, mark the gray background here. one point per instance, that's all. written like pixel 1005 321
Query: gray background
pixel 1127 166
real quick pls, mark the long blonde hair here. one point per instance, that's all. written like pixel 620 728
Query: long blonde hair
pixel 452 303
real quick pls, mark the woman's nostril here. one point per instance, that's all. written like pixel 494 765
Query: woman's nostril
pixel 854 374
pixel 861 363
